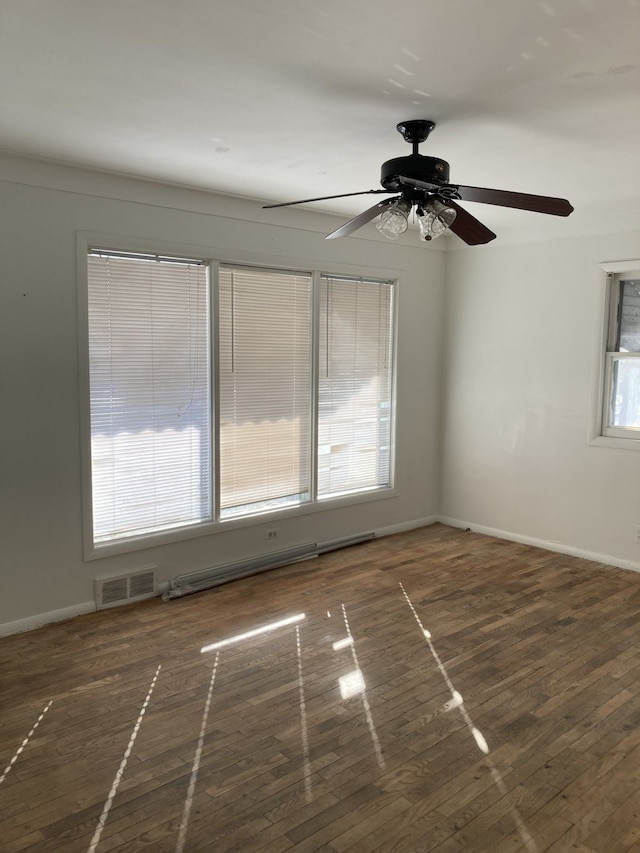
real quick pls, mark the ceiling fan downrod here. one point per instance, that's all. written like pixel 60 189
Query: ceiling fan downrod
pixel 432 172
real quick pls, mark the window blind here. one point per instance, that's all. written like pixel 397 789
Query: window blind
pixel 264 389
pixel 354 385
pixel 149 400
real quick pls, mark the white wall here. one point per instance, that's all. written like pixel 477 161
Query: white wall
pixel 494 436
pixel 522 337
pixel 42 206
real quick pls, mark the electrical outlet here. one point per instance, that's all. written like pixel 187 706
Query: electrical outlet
pixel 636 530
pixel 272 533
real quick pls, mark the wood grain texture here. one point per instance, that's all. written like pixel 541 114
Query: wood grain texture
pixel 494 706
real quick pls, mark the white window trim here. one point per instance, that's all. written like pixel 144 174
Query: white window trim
pixel 210 255
pixel 600 433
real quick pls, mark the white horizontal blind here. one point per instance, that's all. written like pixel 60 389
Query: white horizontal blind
pixel 625 399
pixel 150 398
pixel 354 385
pixel 264 389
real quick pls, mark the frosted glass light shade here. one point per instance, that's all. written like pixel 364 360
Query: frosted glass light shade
pixel 394 221
pixel 435 220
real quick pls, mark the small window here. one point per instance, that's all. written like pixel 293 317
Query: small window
pixel 621 397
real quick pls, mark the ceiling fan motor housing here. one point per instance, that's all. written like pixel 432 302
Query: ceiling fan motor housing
pixel 430 170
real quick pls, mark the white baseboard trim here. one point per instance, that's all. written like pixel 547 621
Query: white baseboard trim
pixel 52 616
pixel 41 619
pixel 407 525
pixel 557 547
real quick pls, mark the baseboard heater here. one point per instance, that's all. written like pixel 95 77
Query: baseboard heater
pixel 209 578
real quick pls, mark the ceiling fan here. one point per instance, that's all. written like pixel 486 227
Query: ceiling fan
pixel 423 183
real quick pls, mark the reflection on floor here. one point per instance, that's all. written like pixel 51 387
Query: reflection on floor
pixel 435 690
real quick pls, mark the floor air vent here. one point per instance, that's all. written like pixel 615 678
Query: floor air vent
pixel 124 588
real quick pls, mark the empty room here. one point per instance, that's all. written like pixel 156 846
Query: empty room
pixel 320 388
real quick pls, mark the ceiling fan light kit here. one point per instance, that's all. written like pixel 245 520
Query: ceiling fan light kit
pixel 434 218
pixel 423 184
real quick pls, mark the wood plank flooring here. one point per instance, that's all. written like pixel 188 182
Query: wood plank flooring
pixel 437 690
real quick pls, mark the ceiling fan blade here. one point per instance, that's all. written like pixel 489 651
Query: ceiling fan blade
pixel 362 218
pixel 322 198
pixel 522 201
pixel 467 227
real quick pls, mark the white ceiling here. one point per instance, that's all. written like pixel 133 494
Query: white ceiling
pixel 277 100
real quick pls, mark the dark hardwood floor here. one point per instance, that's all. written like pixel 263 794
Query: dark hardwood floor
pixel 434 690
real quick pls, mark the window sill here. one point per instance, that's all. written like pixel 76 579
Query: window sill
pixel 616 442
pixel 180 534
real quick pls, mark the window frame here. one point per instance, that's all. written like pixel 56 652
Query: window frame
pixel 87 241
pixel 602 433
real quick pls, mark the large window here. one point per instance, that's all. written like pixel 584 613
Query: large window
pixel 621 396
pixel 219 392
